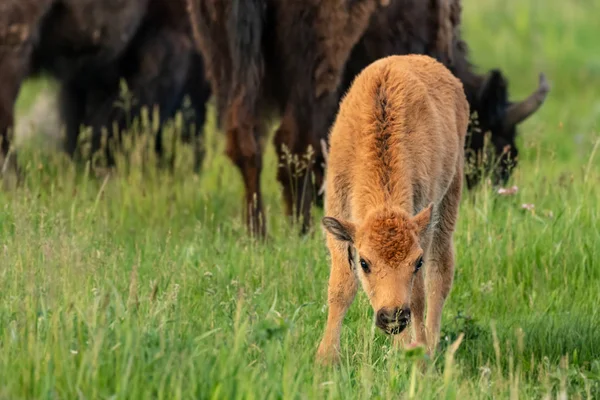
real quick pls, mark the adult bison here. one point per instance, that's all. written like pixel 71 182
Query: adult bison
pixel 265 55
pixel 89 46
pixel 285 57
pixel 426 27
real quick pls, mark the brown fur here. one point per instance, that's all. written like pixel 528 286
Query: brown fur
pixel 285 57
pixel 16 44
pixel 396 151
pixel 89 46
pixel 445 34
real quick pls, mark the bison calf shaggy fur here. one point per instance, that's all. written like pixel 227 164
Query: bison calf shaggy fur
pixel 89 46
pixel 283 57
pixel 394 183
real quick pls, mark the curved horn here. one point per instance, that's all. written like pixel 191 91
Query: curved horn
pixel 519 112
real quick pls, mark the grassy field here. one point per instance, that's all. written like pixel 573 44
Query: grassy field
pixel 138 287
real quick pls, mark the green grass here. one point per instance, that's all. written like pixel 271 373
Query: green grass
pixel 148 287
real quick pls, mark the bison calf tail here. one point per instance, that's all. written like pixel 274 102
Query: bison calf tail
pixel 245 32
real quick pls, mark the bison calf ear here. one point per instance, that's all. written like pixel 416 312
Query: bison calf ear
pixel 341 230
pixel 423 218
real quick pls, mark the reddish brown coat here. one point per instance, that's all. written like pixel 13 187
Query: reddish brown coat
pixel 394 182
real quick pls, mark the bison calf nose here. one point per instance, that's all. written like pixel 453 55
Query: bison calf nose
pixel 393 320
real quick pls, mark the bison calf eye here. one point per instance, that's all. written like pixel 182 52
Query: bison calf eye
pixel 418 264
pixel 365 266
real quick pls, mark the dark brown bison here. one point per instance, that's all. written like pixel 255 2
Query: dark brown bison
pixel 89 46
pixel 266 56
pixel 420 27
pixel 285 57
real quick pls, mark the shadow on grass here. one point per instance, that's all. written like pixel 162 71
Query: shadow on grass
pixel 559 346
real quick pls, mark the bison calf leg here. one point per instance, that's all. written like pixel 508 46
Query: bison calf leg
pixel 440 275
pixel 440 268
pixel 341 291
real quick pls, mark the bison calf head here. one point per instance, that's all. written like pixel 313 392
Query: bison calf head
pixel 386 255
pixel 500 117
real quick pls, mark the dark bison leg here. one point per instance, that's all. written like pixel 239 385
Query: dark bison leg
pixel 231 38
pixel 72 109
pixel 312 103
pixel 13 66
pixel 155 72
pixel 323 120
pixel 244 26
pixel 301 172
pixel 199 92
pixel 7 100
pixel 164 62
pixel 296 163
pixel 102 116
pixel 243 148
pixel 19 25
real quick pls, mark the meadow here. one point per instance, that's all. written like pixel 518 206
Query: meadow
pixel 143 284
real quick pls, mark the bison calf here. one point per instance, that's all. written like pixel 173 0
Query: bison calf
pixel 394 183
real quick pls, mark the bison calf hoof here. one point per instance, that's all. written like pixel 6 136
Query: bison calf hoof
pixel 327 356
